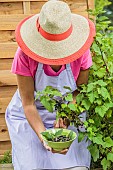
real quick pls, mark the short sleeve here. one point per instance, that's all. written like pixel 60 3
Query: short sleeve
pixel 23 65
pixel 86 60
pixel 20 64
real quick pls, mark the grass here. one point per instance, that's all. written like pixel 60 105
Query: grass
pixel 6 158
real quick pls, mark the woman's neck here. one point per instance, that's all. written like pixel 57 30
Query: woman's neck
pixel 56 68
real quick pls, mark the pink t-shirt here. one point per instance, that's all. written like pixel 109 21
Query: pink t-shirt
pixel 24 65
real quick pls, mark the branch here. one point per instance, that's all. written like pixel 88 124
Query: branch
pixel 104 60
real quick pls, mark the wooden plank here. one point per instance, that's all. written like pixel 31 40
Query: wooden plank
pixel 11 8
pixel 7 91
pixel 26 7
pixel 36 6
pixel 9 22
pixel 71 2
pixel 2 119
pixel 4 103
pixel 17 8
pixel 6 167
pixel 5 146
pixel 22 0
pixel 4 134
pixel 91 4
pixel 5 64
pixel 7 78
pixel 75 6
pixel 7 50
pixel 85 14
pixel 6 94
pixel 7 36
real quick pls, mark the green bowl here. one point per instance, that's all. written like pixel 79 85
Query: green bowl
pixel 58 146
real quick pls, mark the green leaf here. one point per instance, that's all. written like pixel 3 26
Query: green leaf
pixel 108 105
pixel 109 113
pixel 96 94
pixel 62 114
pixel 85 124
pixel 91 97
pixel 79 109
pixel 105 163
pixel 69 97
pixel 101 72
pixel 47 104
pixel 47 135
pixel 98 101
pixel 99 90
pixel 90 87
pixel 96 48
pixel 80 136
pixel 72 107
pixel 68 88
pixel 108 142
pixel 83 88
pixel 48 89
pixel 53 91
pixel 79 98
pixel 98 139
pixel 89 129
pixel 105 93
pixel 91 121
pixel 38 93
pixel 101 83
pixel 99 39
pixel 57 93
pixel 101 18
pixel 110 157
pixel 70 134
pixel 94 151
pixel 101 110
pixel 86 104
pixel 58 133
pixel 64 105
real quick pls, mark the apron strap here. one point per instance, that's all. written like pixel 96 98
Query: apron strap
pixel 71 76
pixel 68 67
pixel 40 66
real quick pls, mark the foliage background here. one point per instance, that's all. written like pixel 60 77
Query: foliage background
pixel 109 11
pixel 97 96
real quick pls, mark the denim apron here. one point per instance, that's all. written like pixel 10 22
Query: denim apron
pixel 28 153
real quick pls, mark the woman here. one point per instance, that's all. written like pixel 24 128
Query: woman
pixel 53 50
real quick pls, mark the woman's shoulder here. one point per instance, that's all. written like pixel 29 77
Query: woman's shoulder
pixel 84 62
pixel 23 64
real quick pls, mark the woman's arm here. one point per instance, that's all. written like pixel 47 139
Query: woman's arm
pixel 26 89
pixel 82 79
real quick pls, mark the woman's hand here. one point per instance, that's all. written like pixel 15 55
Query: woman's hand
pixel 62 123
pixel 64 151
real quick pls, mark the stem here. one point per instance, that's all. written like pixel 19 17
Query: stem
pixel 81 123
pixel 104 61
pixel 87 7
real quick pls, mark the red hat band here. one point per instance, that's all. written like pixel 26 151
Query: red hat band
pixel 53 37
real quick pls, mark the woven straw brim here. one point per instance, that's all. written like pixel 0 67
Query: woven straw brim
pixel 49 52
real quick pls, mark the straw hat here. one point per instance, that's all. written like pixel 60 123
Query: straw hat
pixel 55 36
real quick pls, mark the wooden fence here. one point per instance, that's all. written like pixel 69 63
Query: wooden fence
pixel 11 12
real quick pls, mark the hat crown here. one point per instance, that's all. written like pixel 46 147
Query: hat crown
pixel 55 17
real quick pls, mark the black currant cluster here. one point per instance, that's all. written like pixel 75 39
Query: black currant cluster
pixel 58 105
pixel 61 139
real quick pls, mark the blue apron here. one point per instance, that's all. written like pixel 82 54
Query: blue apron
pixel 28 152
